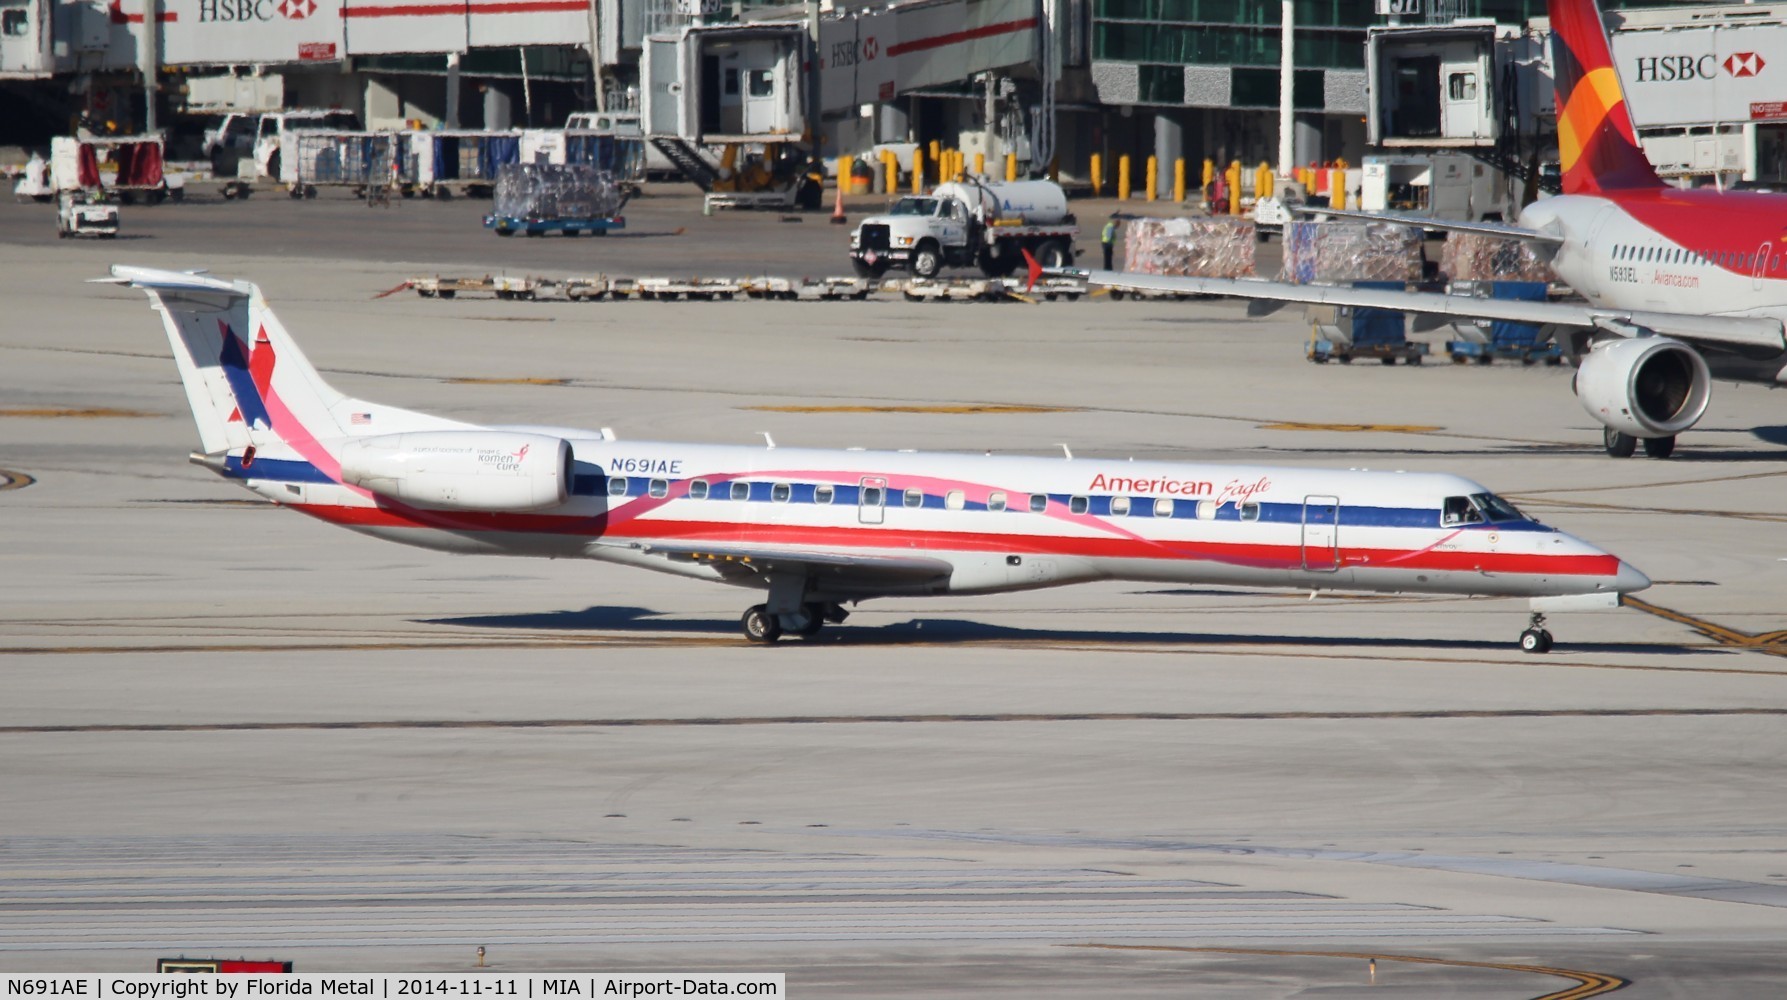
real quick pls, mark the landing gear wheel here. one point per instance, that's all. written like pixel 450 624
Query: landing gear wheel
pixel 1535 639
pixel 759 625
pixel 1617 444
pixel 806 622
pixel 1662 447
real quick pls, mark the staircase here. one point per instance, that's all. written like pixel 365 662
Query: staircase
pixel 688 159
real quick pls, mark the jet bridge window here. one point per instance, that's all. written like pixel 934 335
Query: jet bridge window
pixel 617 486
pixel 741 491
pixel 697 489
pixel 14 23
pixel 660 488
pixel 1461 87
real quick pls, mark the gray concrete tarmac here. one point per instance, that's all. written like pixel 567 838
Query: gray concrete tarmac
pixel 230 729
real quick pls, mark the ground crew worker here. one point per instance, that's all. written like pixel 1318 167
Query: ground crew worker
pixel 1109 238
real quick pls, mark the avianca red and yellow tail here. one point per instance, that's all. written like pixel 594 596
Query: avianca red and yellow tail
pixel 1595 140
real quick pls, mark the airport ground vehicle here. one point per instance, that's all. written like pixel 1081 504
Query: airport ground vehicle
pixel 970 223
pixel 261 135
pixel 820 528
pixel 1449 186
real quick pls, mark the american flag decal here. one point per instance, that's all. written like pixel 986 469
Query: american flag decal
pixel 360 418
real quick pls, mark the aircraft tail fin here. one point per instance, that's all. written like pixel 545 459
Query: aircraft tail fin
pixel 248 384
pixel 1596 142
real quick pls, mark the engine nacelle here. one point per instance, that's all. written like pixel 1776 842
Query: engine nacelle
pixel 462 470
pixel 1644 386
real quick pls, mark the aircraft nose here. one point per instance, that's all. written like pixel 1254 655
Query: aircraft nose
pixel 1629 578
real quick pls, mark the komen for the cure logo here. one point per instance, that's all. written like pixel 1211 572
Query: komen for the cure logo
pixel 521 453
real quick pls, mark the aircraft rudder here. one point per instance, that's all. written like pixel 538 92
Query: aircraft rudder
pixel 1597 145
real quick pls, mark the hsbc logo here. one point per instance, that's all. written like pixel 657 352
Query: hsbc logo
pixel 244 11
pixel 1742 64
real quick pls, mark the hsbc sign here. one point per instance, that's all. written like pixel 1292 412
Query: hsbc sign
pixel 254 10
pixel 1700 76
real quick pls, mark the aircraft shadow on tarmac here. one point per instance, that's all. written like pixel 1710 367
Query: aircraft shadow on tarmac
pixel 956 630
pixel 1772 435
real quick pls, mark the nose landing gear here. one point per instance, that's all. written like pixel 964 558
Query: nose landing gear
pixel 1536 639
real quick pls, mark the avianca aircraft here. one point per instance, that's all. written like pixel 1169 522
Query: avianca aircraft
pixel 819 529
pixel 1682 286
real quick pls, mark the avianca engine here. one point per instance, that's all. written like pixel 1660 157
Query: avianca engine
pixel 818 529
pixel 1682 286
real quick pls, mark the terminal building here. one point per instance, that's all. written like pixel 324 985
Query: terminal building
pixel 1054 81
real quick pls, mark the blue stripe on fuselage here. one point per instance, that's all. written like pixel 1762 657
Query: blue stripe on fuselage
pixel 278 470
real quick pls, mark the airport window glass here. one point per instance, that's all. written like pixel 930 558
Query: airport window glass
pixel 1250 512
pixel 823 493
pixel 955 500
pixel 915 498
pixel 617 486
pixel 1461 87
pixel 1078 505
pixel 1206 510
pixel 763 82
pixel 14 23
pixel 1495 508
pixel 781 493
pixel 741 491
pixel 697 489
pixel 995 501
pixel 1039 502
pixel 660 488
pixel 1119 506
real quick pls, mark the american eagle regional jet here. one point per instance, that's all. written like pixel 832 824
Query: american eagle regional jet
pixel 1682 286
pixel 818 529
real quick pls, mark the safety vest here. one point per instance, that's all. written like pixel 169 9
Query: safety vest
pixel 1110 231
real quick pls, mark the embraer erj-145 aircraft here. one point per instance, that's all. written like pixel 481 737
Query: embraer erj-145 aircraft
pixel 818 529
pixel 1681 285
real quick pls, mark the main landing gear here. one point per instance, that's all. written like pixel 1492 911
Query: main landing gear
pixel 1621 445
pixel 759 625
pixel 1535 639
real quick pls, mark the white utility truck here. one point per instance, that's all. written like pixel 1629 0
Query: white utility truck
pixel 968 224
pixel 1450 186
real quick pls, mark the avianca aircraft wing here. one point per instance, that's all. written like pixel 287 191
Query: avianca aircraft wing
pixel 1501 230
pixel 1741 332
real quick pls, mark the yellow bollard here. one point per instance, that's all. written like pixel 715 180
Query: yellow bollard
pixel 918 170
pixel 890 171
pixel 1337 188
pixel 846 183
pixel 1152 178
pixel 936 156
pixel 1123 177
pixel 980 164
pixel 1011 166
pixel 1209 175
pixel 1097 175
pixel 1262 182
pixel 1179 180
pixel 1233 174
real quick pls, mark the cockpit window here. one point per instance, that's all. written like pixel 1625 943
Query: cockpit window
pixel 914 206
pixel 1459 510
pixel 1495 508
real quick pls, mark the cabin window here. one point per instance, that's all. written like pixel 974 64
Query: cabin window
pixel 995 501
pixel 1250 511
pixel 617 486
pixel 741 491
pixel 1119 506
pixel 1078 505
pixel 823 493
pixel 1163 508
pixel 781 493
pixel 697 489
pixel 659 488
pixel 1206 510
pixel 1459 510
pixel 955 500
pixel 871 496
pixel 1039 502
pixel 915 498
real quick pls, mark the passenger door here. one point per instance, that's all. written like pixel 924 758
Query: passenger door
pixel 1321 534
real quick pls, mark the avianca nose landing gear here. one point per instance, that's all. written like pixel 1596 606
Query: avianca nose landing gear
pixel 1536 639
pixel 759 625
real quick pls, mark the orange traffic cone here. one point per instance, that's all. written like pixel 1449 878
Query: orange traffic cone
pixel 837 212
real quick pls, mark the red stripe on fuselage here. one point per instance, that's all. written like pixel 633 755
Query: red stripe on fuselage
pixel 1735 221
pixel 1287 557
